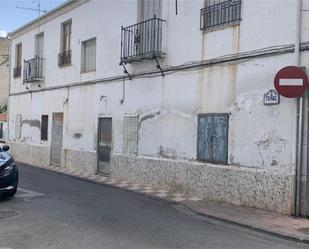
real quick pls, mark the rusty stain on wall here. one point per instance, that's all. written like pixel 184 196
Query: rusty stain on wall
pixel 200 82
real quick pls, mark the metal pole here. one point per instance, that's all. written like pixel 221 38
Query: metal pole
pixel 299 120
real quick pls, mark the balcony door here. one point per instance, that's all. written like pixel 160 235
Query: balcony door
pixel 39 45
pixel 147 9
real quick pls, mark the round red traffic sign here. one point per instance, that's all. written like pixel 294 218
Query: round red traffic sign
pixel 291 81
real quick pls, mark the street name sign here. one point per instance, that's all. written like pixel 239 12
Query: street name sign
pixel 291 81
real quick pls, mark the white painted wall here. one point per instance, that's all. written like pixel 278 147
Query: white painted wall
pixel 259 136
pixel 4 71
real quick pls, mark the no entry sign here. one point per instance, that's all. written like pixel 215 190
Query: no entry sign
pixel 291 82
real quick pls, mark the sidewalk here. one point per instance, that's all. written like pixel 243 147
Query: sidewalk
pixel 265 221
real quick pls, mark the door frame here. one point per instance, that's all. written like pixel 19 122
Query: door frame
pixel 51 137
pixel 98 140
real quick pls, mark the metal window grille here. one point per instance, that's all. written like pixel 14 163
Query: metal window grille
pixel 44 127
pixel 65 58
pixel 17 72
pixel 34 70
pixel 142 40
pixel 220 13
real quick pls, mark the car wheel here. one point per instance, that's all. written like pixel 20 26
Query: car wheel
pixel 12 192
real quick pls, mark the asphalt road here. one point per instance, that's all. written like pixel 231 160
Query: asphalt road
pixel 56 211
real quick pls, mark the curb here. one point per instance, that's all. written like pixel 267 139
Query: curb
pixel 249 227
pixel 168 201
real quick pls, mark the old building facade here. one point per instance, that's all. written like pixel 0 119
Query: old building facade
pixel 4 85
pixel 168 93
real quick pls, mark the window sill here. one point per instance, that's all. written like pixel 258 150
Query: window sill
pixel 85 72
pixel 65 65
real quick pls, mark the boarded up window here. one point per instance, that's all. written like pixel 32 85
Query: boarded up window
pixel 44 127
pixel 212 137
pixel 88 56
pixel 130 127
pixel 18 126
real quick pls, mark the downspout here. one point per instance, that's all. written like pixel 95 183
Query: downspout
pixel 299 121
pixel 8 104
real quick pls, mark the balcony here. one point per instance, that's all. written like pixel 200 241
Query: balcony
pixel 17 71
pixel 142 41
pixel 220 14
pixel 64 58
pixel 34 70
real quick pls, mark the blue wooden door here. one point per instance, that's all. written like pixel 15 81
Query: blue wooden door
pixel 212 137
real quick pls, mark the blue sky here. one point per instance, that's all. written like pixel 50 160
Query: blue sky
pixel 12 17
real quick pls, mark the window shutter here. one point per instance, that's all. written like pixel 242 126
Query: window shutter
pixel 212 137
pixel 204 146
pixel 89 56
pixel 220 133
pixel 130 134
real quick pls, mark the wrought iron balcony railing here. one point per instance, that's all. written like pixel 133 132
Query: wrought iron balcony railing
pixel 17 71
pixel 220 14
pixel 34 70
pixel 64 58
pixel 142 40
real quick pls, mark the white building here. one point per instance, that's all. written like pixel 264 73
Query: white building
pixel 4 85
pixel 182 111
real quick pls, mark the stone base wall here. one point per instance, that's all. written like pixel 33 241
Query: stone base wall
pixel 251 187
pixel 79 160
pixel 38 155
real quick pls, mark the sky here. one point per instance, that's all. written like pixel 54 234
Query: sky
pixel 11 17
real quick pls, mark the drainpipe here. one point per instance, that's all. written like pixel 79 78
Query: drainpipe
pixel 8 103
pixel 299 120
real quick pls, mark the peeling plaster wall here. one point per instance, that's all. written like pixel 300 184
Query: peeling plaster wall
pixel 260 140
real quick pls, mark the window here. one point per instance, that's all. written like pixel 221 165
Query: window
pixel 218 13
pixel 17 68
pixel 44 127
pixel 66 36
pixel 130 127
pixel 1 131
pixel 64 57
pixel 212 137
pixel 88 63
pixel 147 9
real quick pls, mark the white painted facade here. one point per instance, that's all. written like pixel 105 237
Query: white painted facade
pixel 261 139
pixel 4 70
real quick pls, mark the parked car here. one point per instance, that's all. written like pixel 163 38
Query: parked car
pixel 8 173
